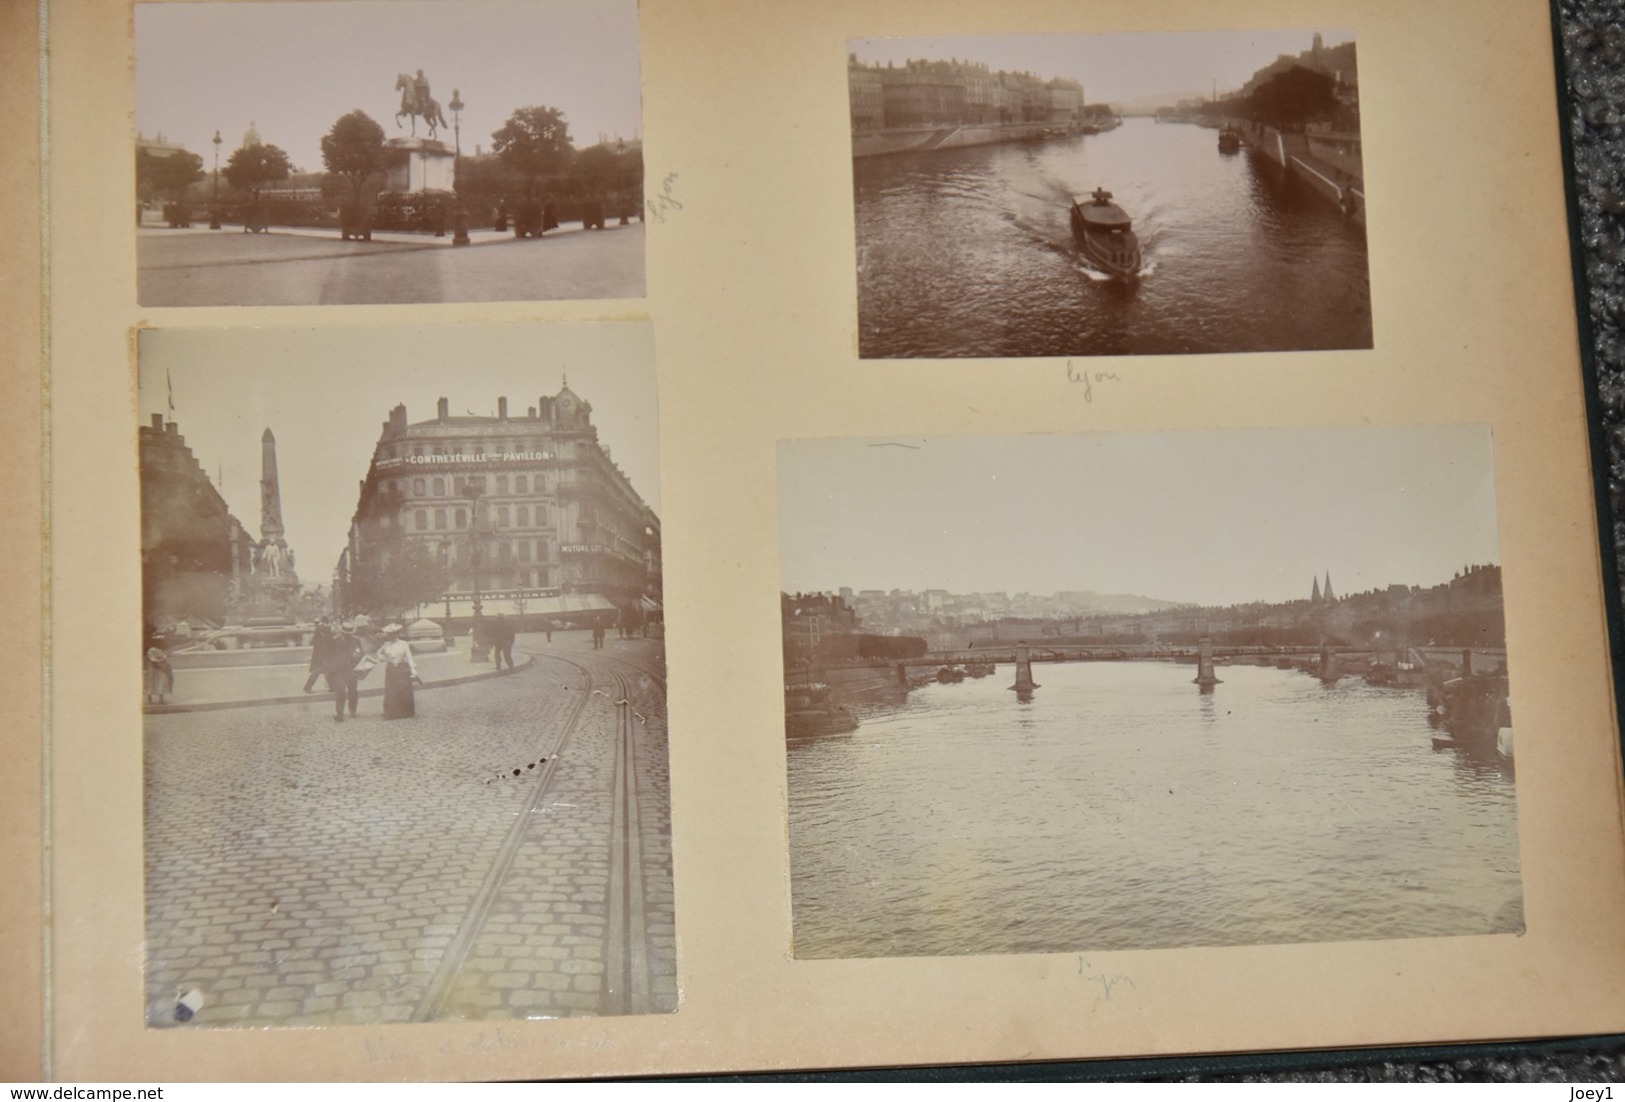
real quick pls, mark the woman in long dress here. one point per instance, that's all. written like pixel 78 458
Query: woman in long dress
pixel 399 674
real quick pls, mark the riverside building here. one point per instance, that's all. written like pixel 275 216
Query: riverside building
pixel 523 515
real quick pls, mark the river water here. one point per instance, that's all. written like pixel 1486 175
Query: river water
pixel 969 252
pixel 1123 808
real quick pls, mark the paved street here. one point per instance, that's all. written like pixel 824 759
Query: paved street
pixel 504 854
pixel 227 267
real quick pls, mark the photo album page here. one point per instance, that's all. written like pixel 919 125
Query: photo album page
pixel 628 537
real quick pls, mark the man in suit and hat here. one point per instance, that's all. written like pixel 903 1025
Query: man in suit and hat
pixel 502 635
pixel 343 651
pixel 319 644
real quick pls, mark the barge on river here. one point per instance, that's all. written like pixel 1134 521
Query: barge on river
pixel 811 711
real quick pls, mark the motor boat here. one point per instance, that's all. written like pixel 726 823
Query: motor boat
pixel 1105 235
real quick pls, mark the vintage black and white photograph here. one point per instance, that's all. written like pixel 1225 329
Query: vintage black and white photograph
pixel 1067 693
pixel 1109 194
pixel 404 676
pixel 344 151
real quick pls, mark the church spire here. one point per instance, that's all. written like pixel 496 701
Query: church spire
pixel 1314 593
pixel 1328 590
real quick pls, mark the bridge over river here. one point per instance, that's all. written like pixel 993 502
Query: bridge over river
pixel 1441 662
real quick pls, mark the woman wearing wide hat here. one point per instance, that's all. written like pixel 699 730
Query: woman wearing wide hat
pixel 400 671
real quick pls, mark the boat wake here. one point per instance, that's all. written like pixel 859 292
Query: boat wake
pixel 1095 275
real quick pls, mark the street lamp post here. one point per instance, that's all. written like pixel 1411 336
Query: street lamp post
pixel 459 215
pixel 214 204
pixel 476 642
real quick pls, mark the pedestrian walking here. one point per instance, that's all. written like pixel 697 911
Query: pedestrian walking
pixel 597 636
pixel 160 674
pixel 400 672
pixel 320 643
pixel 502 634
pixel 344 651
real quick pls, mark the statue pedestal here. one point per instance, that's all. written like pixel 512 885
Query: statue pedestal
pixel 423 165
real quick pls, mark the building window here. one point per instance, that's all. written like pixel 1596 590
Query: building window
pixel 462 518
pixel 503 552
pixel 418 489
pixel 522 550
pixel 502 483
pixel 522 517
pixel 421 519
pixel 459 486
pixel 502 516
pixel 541 516
pixel 541 550
pixel 439 487
pixel 440 519
pixel 479 451
pixel 519 486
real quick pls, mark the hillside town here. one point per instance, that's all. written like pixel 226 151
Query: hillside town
pixel 1466 610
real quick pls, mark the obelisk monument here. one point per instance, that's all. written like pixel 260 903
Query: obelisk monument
pixel 270 493
pixel 274 585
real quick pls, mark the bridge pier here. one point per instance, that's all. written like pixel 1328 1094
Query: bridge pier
pixel 1204 664
pixel 1328 666
pixel 1024 671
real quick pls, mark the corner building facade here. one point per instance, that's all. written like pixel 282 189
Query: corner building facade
pixel 194 553
pixel 528 514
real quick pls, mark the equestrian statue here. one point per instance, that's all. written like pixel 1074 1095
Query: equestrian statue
pixel 417 103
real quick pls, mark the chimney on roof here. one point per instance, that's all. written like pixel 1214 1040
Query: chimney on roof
pixel 531 413
pixel 502 409
pixel 158 421
pixel 444 408
pixel 172 428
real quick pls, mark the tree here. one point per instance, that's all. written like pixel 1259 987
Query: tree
pixel 534 143
pixel 594 171
pixel 254 166
pixel 354 149
pixel 166 175
pixel 1291 98
pixel 484 180
pixel 403 577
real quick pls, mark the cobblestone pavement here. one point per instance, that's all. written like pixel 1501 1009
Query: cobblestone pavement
pixel 294 269
pixel 504 854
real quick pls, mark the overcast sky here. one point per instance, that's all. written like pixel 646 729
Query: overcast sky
pixel 293 69
pixel 1204 517
pixel 1115 67
pixel 325 394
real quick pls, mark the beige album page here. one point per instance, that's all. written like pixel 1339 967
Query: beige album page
pixel 910 534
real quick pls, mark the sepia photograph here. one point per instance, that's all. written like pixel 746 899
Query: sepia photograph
pixel 1072 693
pixel 404 676
pixel 1108 194
pixel 341 152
